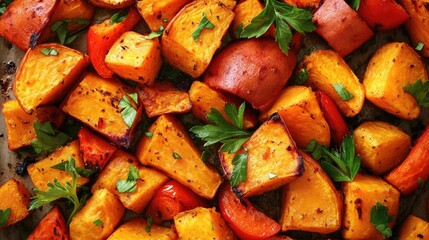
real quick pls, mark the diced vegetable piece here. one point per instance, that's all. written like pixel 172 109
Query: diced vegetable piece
pixel 245 220
pixel 117 169
pixel 171 150
pixel 381 146
pixel 245 11
pixel 325 69
pixel 96 103
pixel 416 25
pixel 19 124
pixel 158 13
pixel 52 226
pixel 42 173
pixel 135 57
pixel 202 222
pixel 43 79
pixel 103 207
pixel 304 3
pixel 299 109
pixel 360 196
pixel 204 98
pixel 389 70
pixel 102 36
pixel 273 159
pixel 136 229
pixel 255 70
pixel 14 195
pixel 24 20
pixel 112 4
pixel 341 26
pixel 162 98
pixel 413 228
pixel 311 202
pixel 405 177
pixel 382 15
pixel 183 47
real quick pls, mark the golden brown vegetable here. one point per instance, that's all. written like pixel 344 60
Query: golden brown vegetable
pixel 245 11
pixel 414 228
pixel 417 24
pixel 136 229
pixel 15 195
pixel 43 79
pixel 304 3
pixel 311 202
pixel 192 54
pixel 112 4
pixel 52 226
pixel 389 70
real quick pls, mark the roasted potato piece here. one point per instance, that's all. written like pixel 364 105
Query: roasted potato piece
pixel 171 150
pixel 360 196
pixel 43 79
pixel 381 146
pixel 273 159
pixel 326 68
pixel 15 195
pixel 135 57
pixel 202 223
pixel 417 24
pixel 136 229
pixel 181 50
pixel 414 228
pixel 103 206
pixel 300 110
pixel 19 124
pixel 388 71
pixel 311 202
pixel 112 4
pixel 52 226
pixel 304 3
pixel 95 102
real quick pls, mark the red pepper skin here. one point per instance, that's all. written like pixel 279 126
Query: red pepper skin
pixel 382 15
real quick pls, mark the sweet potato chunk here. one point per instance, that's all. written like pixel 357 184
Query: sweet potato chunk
pixel 417 24
pixel 199 222
pixel 311 202
pixel 360 196
pixel 112 4
pixel 171 150
pixel 162 98
pixel 273 159
pixel 136 229
pixel 15 195
pixel 19 124
pixel 52 226
pixel 304 3
pixel 245 11
pixel 43 79
pixel 118 169
pixel 95 102
pixel 299 109
pixel 414 228
pixel 326 68
pixel 103 206
pixel 181 50
pixel 389 70
pixel 381 146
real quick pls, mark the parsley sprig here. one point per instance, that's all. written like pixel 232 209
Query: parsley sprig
pixel 48 139
pixel 380 219
pixel 4 216
pixel 283 16
pixel 342 92
pixel 128 112
pixel 420 91
pixel 61 28
pixel 129 185
pixel 119 17
pixel 204 23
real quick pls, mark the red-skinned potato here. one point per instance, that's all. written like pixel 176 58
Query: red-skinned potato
pixel 255 70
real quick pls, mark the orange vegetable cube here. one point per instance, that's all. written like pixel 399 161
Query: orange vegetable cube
pixel 15 195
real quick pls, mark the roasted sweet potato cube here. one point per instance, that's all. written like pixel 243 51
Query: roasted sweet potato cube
pixel 326 68
pixel 42 173
pixel 304 3
pixel 43 79
pixel 136 229
pixel 15 195
pixel 273 159
pixel 112 4
pixel 414 228
pixel 103 207
pixel 162 98
pixel 24 20
pixel 158 13
pixel 389 70
pixel 135 57
pixel 360 196
pixel 118 169
pixel 245 11
pixel 300 110
pixel 52 226
pixel 181 50
pixel 171 150
pixel 95 102
pixel 202 222
pixel 416 25
pixel 381 146
pixel 311 203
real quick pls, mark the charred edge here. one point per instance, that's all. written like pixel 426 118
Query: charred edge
pixel 358 206
pixel 300 169
pixel 275 117
pixel 124 140
pixel 34 38
pixel 9 68
pixel 426 5
pixel 239 194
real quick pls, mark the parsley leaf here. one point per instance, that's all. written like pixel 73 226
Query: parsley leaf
pixel 149 134
pixel 239 173
pixel 98 223
pixel 176 156
pixel 380 219
pixel 4 216
pixel 128 112
pixel 149 224
pixel 48 139
pixel 57 191
pixel 282 15
pixel 354 4
pixel 3 6
pixel 119 17
pixel 302 76
pixel 342 92
pixel 420 91
pixel 83 172
pixel 153 35
pixel 61 28
pixel 49 51
pixel 130 184
pixel 204 23
pixel 419 46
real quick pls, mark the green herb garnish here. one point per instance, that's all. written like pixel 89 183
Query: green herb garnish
pixel 419 46
pixel 4 216
pixel 3 6
pixel 420 91
pixel 48 139
pixel 49 51
pixel 119 17
pixel 153 35
pixel 98 223
pixel 61 27
pixel 204 23
pixel 380 219
pixel 239 173
pixel 342 92
pixel 83 172
pixel 149 134
pixel 128 112
pixel 149 224
pixel 354 4
pixel 130 184
pixel 302 76
pixel 176 156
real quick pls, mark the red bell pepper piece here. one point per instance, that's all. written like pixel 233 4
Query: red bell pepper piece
pixel 102 36
pixel 333 116
pixel 245 220
pixel 382 15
